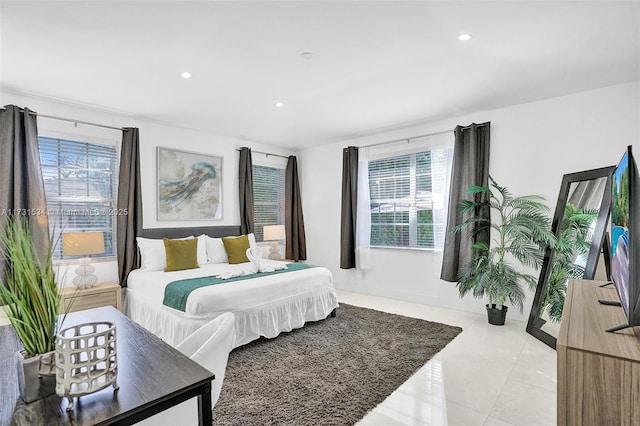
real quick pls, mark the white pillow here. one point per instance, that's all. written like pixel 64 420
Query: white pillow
pixel 215 250
pixel 153 254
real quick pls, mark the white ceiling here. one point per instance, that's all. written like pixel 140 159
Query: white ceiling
pixel 376 65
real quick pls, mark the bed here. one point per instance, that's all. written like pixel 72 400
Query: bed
pixel 263 304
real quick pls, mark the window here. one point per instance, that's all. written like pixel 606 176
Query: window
pixel 407 199
pixel 80 181
pixel 268 198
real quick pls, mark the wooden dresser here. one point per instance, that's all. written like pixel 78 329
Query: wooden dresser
pixel 598 372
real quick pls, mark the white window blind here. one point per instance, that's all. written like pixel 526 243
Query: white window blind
pixel 268 198
pixel 407 199
pixel 80 182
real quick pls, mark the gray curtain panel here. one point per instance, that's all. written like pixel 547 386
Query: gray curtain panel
pixel 246 191
pixel 349 207
pixel 21 183
pixel 296 247
pixel 470 167
pixel 129 224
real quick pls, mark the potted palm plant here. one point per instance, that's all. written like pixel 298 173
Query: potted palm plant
pixel 521 232
pixel 30 295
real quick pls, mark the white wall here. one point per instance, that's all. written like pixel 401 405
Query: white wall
pixel 152 135
pixel 532 146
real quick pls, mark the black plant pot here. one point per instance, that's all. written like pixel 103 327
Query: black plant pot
pixel 496 316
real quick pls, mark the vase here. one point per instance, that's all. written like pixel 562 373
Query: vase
pixel 86 360
pixel 36 376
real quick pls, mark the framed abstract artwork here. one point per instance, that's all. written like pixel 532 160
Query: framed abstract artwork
pixel 189 185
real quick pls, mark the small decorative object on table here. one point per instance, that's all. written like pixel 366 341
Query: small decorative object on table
pixel 86 360
pixel 83 244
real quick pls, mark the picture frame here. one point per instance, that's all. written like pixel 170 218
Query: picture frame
pixel 189 185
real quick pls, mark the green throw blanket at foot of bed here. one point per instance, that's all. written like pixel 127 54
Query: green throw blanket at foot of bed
pixel 176 293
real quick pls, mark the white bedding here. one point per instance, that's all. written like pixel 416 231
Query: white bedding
pixel 263 306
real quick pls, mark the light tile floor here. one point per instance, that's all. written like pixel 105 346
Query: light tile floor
pixel 488 375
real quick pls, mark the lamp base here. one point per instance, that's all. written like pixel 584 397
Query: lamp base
pixel 274 251
pixel 84 275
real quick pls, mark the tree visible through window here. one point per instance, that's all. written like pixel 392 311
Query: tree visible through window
pixel 268 198
pixel 406 211
pixel 80 181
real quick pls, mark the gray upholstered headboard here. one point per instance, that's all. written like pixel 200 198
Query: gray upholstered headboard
pixel 212 231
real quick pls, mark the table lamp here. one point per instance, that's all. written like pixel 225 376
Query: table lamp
pixel 274 233
pixel 83 244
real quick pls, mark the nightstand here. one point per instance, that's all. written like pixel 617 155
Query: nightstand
pixel 103 294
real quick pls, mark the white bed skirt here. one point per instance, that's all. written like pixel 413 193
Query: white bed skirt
pixel 265 320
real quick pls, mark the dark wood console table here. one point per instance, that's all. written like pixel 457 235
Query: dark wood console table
pixel 152 375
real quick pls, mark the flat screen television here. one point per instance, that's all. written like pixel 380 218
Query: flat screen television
pixel 625 241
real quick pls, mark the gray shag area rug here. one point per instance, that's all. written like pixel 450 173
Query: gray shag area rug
pixel 330 372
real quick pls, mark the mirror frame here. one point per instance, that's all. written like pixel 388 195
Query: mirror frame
pixel 594 251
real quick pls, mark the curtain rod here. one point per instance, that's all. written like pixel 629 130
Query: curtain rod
pixel 404 139
pixel 53 117
pixel 417 137
pixel 77 121
pixel 268 154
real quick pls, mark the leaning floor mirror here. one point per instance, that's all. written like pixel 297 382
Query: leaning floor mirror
pixel 579 224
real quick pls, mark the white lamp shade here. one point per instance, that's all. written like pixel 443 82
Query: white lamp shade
pixel 82 243
pixel 274 232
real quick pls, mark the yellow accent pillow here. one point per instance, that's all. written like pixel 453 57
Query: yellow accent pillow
pixel 181 254
pixel 236 248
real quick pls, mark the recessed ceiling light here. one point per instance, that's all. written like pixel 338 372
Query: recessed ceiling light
pixel 185 75
pixel 279 104
pixel 464 37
